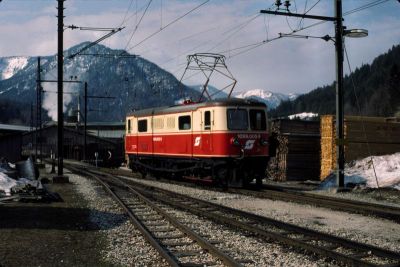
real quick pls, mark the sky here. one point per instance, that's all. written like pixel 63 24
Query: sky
pixel 157 30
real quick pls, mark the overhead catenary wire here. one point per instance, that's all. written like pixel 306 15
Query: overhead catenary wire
pixel 362 121
pixel 234 29
pixel 137 25
pixel 256 45
pixel 238 29
pixel 169 24
pixel 112 32
pixel 372 4
pixel 126 14
pixel 306 11
pixel 183 39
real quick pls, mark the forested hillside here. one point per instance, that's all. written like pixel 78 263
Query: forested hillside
pixel 129 82
pixel 377 88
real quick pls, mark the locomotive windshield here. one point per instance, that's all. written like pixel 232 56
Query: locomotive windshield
pixel 237 119
pixel 257 120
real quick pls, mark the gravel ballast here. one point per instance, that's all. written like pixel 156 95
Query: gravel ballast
pixel 123 249
pixel 364 229
pixel 125 244
pixel 127 247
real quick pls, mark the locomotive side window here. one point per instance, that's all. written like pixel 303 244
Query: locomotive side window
pixel 184 123
pixel 129 126
pixel 257 120
pixel 237 119
pixel 207 120
pixel 142 125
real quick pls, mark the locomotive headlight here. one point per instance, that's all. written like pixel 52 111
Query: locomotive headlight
pixel 235 141
pixel 263 142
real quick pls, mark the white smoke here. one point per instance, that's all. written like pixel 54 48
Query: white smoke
pixel 50 95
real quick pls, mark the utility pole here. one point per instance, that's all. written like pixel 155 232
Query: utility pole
pixel 85 125
pixel 60 63
pixel 39 110
pixel 338 20
pixel 32 136
pixel 339 96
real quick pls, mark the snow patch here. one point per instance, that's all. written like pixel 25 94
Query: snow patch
pixel 387 170
pixel 303 116
pixel 6 183
pixel 361 172
pixel 13 65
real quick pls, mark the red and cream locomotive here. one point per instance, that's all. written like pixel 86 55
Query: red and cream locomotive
pixel 223 140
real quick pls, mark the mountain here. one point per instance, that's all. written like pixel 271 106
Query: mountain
pixel 128 82
pixel 272 100
pixel 213 91
pixel 11 65
pixel 376 91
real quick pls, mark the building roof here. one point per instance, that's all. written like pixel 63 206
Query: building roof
pixel 17 128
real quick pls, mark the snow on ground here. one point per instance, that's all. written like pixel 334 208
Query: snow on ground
pixel 387 169
pixel 6 183
pixel 362 172
pixel 302 116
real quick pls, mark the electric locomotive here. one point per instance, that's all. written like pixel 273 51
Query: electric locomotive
pixel 224 141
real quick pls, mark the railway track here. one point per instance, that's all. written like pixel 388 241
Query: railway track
pixel 353 206
pixel 324 245
pixel 163 231
pixel 334 203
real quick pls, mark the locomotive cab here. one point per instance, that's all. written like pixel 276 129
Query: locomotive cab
pixel 223 141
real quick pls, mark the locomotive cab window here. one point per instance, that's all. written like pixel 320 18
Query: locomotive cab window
pixel 184 123
pixel 129 126
pixel 207 120
pixel 258 120
pixel 142 125
pixel 237 119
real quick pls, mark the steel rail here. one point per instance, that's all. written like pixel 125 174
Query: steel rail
pixel 229 261
pixel 334 203
pixel 146 234
pixel 206 245
pixel 359 207
pixel 359 250
pixel 189 204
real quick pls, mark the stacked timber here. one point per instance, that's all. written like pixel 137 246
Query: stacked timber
pixel 295 150
pixel 364 136
pixel 328 149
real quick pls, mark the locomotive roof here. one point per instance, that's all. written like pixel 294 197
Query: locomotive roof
pixel 194 106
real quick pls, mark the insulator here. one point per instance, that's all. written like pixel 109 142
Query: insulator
pixel 278 3
pixel 287 4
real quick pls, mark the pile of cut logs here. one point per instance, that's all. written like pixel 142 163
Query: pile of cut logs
pixel 294 150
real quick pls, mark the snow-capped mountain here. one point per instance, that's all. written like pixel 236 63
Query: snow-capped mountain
pixel 11 65
pixel 271 99
pixel 132 82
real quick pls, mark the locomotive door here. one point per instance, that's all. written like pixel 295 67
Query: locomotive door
pixel 206 144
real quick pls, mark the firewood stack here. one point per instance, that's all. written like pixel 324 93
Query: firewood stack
pixel 295 150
